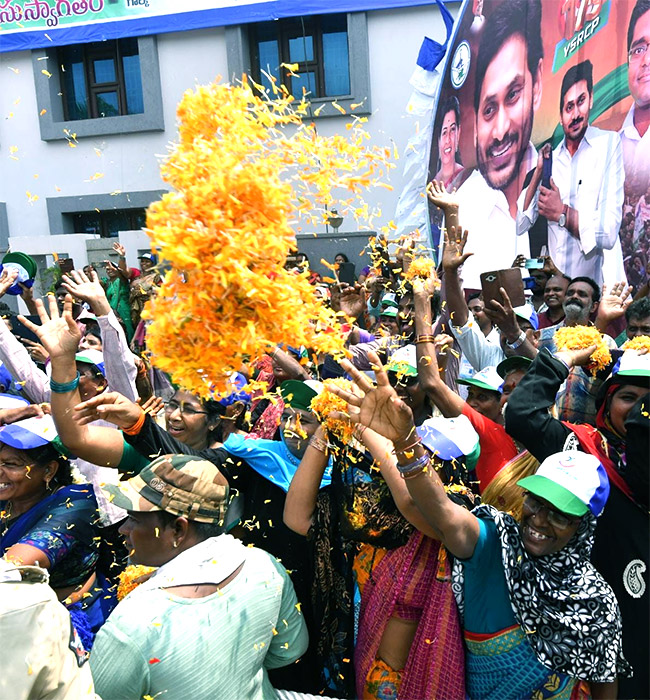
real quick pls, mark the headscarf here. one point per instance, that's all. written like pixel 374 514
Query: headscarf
pixel 569 613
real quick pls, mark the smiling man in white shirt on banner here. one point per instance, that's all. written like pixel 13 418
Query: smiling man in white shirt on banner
pixel 583 205
pixel 507 93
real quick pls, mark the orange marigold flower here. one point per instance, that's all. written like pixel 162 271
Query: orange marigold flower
pixel 240 179
pixel 326 402
pixel 131 578
pixel 580 337
pixel 422 267
pixel 641 342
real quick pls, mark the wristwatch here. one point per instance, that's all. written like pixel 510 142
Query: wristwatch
pixel 563 217
pixel 518 342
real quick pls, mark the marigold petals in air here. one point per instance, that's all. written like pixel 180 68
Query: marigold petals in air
pixel 244 168
pixel 326 403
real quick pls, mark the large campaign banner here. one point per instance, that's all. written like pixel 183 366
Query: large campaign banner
pixel 541 127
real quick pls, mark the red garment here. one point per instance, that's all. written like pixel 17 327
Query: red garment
pixel 594 442
pixel 497 447
pixel 414 582
pixel 545 322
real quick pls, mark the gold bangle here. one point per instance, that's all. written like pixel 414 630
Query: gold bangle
pixel 408 448
pixel 424 339
pixel 319 444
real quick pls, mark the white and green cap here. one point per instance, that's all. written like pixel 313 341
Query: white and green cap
pixel 574 482
pixel 488 378
pixel 404 362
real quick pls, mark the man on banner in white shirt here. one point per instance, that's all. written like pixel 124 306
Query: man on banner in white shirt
pixel 635 134
pixel 584 203
pixel 507 92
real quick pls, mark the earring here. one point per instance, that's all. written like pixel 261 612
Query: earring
pixel 175 545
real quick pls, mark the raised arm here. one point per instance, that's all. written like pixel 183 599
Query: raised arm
pixel 453 256
pixel 15 357
pixel 447 400
pixel 438 195
pixel 120 366
pixel 527 416
pixel 380 409
pixel 381 450
pixel 124 271
pixel 60 336
pixel 300 503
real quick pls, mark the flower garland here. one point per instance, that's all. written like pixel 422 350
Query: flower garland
pixel 241 179
pixel 580 337
pixel 131 578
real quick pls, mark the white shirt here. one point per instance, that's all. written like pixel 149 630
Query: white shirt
pixel 477 349
pixel 636 156
pixel 592 183
pixel 465 368
pixel 493 235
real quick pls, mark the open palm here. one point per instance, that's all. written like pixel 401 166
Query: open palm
pixel 438 194
pixel 59 335
pixel 377 407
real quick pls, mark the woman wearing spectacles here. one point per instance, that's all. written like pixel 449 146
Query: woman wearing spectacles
pixel 537 617
pixel 620 441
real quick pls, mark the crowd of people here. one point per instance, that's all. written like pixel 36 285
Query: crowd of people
pixel 459 508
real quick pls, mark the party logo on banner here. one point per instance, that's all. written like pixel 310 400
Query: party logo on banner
pixel 578 21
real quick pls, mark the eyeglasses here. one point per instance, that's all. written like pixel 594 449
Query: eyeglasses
pixel 184 409
pixel 558 520
pixel 638 52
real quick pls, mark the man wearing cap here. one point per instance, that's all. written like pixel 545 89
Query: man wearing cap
pixel 261 470
pixel 620 441
pixel 214 616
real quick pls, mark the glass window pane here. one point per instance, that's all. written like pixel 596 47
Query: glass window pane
pixel 133 84
pixel 138 219
pixel 305 80
pixel 301 48
pixel 104 70
pixel 115 221
pixel 108 104
pixel 269 61
pixel 86 222
pixel 74 82
pixel 336 64
pixel 334 23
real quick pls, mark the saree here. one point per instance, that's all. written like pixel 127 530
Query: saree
pixel 63 526
pixel 413 582
pixel 355 508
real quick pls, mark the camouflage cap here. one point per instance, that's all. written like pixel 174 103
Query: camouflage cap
pixel 177 484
